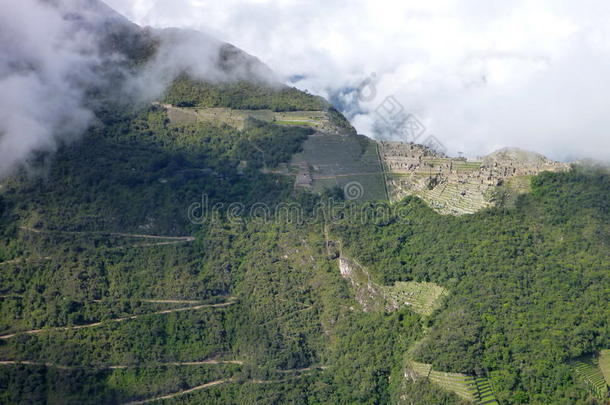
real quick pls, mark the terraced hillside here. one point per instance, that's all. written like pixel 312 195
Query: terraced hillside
pixel 332 157
pixel 131 271
pixel 456 198
pixel 589 372
pixel 474 389
pixel 335 157
pixel 604 365
pixel 349 162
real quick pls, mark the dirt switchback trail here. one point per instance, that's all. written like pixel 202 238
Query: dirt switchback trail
pixel 157 301
pixel 302 370
pixel 148 300
pixel 90 325
pixel 175 394
pixel 201 387
pixel 171 363
pixel 115 367
pixel 187 363
pixel 164 240
pixel 26 259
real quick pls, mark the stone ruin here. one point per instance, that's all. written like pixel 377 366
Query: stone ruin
pixel 456 185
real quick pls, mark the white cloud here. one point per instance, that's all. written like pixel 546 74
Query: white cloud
pixel 43 60
pixel 480 75
pixel 55 53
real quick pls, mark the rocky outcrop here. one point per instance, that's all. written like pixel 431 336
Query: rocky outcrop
pixel 422 298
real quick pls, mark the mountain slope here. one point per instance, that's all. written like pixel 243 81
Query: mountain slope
pixel 164 258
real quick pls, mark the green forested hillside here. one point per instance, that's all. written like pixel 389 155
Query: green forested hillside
pixel 528 286
pixel 106 299
pixel 117 284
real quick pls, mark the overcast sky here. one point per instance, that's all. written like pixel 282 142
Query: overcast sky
pixel 478 74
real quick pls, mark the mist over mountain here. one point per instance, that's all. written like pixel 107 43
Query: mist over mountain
pixel 528 74
pixel 74 32
pixel 63 59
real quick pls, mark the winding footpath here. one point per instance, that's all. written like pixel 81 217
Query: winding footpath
pixel 175 394
pixel 91 325
pixel 119 367
pixel 208 385
pixel 166 240
pixel 192 305
pixel 162 241
pixel 188 363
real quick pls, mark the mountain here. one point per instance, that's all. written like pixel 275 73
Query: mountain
pixel 231 240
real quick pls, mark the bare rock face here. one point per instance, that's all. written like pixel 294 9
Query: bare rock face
pixel 456 185
pixel 368 294
pixel 421 297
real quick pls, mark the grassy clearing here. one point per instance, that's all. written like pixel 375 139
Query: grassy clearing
pixel 520 184
pixel 237 118
pixel 181 117
pixel 466 166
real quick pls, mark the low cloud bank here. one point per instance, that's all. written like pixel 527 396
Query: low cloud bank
pixel 55 52
pixel 478 75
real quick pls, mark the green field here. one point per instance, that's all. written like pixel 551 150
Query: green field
pixel 520 184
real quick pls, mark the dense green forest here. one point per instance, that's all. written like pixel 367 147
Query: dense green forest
pixel 529 285
pixel 242 95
